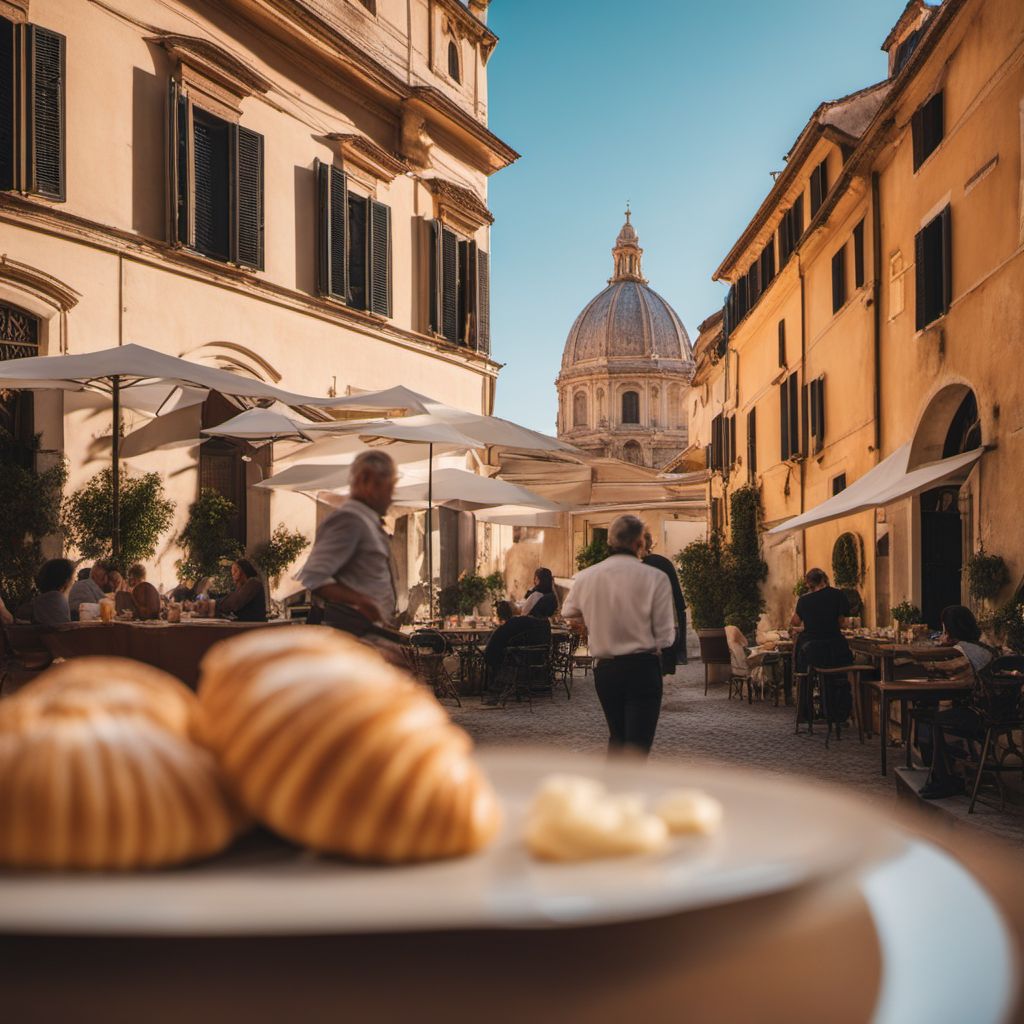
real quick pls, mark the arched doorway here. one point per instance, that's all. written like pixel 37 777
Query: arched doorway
pixel 632 452
pixel 950 426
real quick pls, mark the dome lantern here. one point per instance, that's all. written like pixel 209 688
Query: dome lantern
pixel 627 254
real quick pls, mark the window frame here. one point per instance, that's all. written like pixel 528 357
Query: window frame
pixel 629 393
pixel 933 269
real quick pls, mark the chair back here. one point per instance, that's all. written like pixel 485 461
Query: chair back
pixel 431 640
pixel 714 649
pixel 27 646
pixel 1000 693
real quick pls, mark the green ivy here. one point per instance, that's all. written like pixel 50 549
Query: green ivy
pixel 495 584
pixel 276 554
pixel 596 551
pixel 986 575
pixel 1008 624
pixel 31 502
pixel 146 515
pixel 702 575
pixel 847 562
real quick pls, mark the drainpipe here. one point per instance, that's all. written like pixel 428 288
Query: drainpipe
pixel 803 371
pixel 876 320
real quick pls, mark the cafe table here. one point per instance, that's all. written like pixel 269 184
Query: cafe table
pixel 885 653
pixel 175 647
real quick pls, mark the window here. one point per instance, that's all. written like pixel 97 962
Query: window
pixel 858 255
pixel 730 442
pixel 453 61
pixel 221 469
pixel 460 308
pixel 353 244
pixel 19 338
pixel 632 452
pixel 579 409
pixel 767 264
pixel 933 269
pixel 752 444
pixel 839 280
pixel 789 416
pixel 630 407
pixel 926 129
pixel 905 50
pixel 782 343
pixel 819 186
pixel 753 285
pixel 32 99
pixel 716 460
pixel 816 410
pixel 216 184
pixel 838 484
pixel 791 230
pixel 370 5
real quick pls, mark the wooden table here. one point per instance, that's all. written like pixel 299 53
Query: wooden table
pixel 176 647
pixel 907 691
pixel 884 654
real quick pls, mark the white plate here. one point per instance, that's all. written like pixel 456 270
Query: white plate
pixel 777 834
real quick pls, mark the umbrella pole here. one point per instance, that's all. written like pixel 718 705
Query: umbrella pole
pixel 115 534
pixel 430 527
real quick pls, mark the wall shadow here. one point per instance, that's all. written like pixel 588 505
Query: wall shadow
pixel 305 229
pixel 149 175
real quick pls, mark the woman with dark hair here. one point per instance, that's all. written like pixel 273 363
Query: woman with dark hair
pixel 960 630
pixel 247 602
pixel 541 601
pixel 50 606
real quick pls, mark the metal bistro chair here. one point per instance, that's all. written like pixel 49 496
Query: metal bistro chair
pixel 1000 701
pixel 528 665
pixel 563 660
pixel 429 649
pixel 24 655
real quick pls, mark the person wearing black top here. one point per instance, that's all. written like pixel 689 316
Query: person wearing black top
pixel 522 630
pixel 247 602
pixel 671 657
pixel 821 612
pixel 540 600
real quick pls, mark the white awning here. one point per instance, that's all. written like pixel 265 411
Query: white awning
pixel 889 481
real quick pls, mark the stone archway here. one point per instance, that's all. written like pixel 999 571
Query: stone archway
pixel 933 428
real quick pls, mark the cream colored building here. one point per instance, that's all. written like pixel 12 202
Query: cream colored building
pixel 292 189
pixel 875 309
pixel 626 368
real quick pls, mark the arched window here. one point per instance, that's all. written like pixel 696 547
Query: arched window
pixel 579 409
pixel 453 61
pixel 19 338
pixel 630 407
pixel 631 451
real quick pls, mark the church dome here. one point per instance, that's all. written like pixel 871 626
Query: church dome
pixel 628 321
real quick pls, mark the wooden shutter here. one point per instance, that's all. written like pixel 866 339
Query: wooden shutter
pixel 483 302
pixel 449 286
pixel 249 190
pixel 7 100
pixel 179 134
pixel 839 280
pixel 45 110
pixel 436 282
pixel 380 258
pixel 821 413
pixel 322 174
pixel 752 444
pixel 858 255
pixel 357 238
pixel 212 195
pixel 947 258
pixel 804 415
pixel 933 123
pixel 466 254
pixel 784 448
pixel 782 343
pixel 798 220
pixel 917 135
pixel 920 305
pixel 732 440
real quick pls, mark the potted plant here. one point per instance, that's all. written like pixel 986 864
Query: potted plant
pixel 276 554
pixel 596 551
pixel 702 575
pixel 904 614
pixel 848 569
pixel 1008 624
pixel 986 576
pixel 472 593
pixel 207 545
pixel 495 584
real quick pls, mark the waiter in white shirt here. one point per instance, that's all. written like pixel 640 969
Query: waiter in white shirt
pixel 627 608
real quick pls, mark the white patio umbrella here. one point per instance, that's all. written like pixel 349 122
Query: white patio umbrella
pixel 117 371
pixel 261 425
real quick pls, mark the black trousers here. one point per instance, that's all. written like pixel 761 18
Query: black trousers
pixel 629 688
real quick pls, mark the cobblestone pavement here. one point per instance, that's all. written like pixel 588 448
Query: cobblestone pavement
pixel 693 728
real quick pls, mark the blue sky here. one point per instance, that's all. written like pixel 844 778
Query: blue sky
pixel 681 107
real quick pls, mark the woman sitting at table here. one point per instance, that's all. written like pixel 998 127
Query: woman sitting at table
pixel 50 606
pixel 960 630
pixel 522 630
pixel 541 601
pixel 247 602
pixel 139 597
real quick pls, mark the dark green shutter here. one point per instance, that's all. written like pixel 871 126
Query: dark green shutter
pixel 947 259
pixel 322 175
pixel 784 419
pixel 804 415
pixel 435 282
pixel 782 343
pixel 858 255
pixel 467 284
pixel 249 198
pixel 798 220
pixel 7 99
pixel 177 166
pixel 752 444
pixel 212 192
pixel 839 280
pixel 917 137
pixel 449 286
pixel 46 68
pixel 483 302
pixel 921 317
pixel 380 258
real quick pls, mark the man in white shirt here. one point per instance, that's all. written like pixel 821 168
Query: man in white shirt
pixel 88 591
pixel 627 608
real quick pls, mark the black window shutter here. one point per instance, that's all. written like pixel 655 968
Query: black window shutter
pixel 465 287
pixel 435 282
pixel 782 343
pixel 804 424
pixel 337 235
pixel 449 286
pixel 784 419
pixel 858 255
pixel 785 240
pixel 947 259
pixel 732 440
pixel 249 198
pixel 839 280
pixel 752 443
pixel 933 123
pixel 919 281
pixel 212 194
pixel 7 96
pixel 46 66
pixel 819 434
pixel 917 135
pixel 357 236
pixel 177 166
pixel 798 220
pixel 380 258
pixel 483 302
pixel 322 173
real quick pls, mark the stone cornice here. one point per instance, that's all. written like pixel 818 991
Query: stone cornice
pixel 671 371
pixel 214 62
pixel 32 214
pixel 47 287
pixel 430 101
pixel 364 153
pixel 464 203
pixel 471 26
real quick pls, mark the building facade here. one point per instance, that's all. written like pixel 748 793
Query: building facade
pixel 626 368
pixel 291 189
pixel 875 306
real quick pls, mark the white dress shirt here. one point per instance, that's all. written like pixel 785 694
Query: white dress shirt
pixel 626 605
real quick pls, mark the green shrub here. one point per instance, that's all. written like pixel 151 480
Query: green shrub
pixel 31 503
pixel 596 551
pixel 746 569
pixel 449 601
pixel 276 554
pixel 495 584
pixel 209 549
pixel 702 575
pixel 1008 625
pixel 986 575
pixel 472 593
pixel 88 517
pixel 847 562
pixel 906 613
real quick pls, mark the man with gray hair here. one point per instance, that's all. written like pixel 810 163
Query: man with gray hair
pixel 349 566
pixel 627 609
